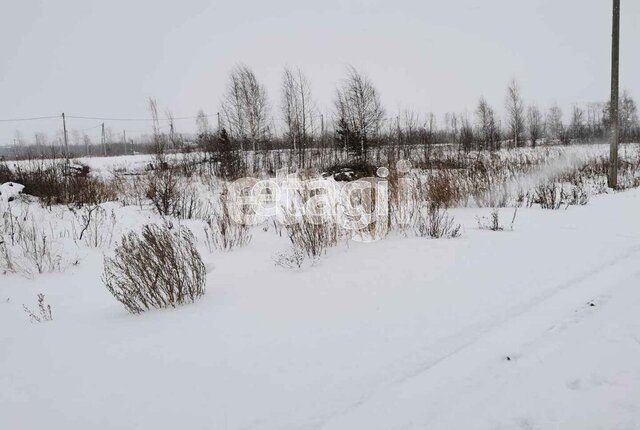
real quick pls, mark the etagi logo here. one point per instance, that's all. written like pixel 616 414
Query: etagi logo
pixel 361 207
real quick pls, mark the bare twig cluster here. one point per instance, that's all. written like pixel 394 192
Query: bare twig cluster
pixel 43 313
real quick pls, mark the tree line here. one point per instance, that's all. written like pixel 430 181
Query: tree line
pixel 358 120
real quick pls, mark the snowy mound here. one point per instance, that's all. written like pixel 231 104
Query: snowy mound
pixel 9 191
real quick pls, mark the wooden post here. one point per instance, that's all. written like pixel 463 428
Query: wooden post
pixel 613 113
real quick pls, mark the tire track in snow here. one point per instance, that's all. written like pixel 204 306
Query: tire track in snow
pixel 471 337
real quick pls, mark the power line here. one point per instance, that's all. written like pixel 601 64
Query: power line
pixel 88 128
pixel 134 119
pixel 30 119
pixel 96 118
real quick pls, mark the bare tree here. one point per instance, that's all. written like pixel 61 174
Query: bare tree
pixel 577 123
pixel 159 139
pixel 594 119
pixel 627 116
pixel 555 127
pixel 451 126
pixel 409 126
pixel 359 111
pixel 76 137
pixel 515 114
pixel 233 107
pixel 297 108
pixel 487 125
pixel 202 123
pixel 87 144
pixel 245 107
pixel 467 136
pixel 535 124
pixel 174 137
pixel 431 128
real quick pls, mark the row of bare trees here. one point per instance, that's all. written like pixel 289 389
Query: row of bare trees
pixel 358 120
pixel 246 118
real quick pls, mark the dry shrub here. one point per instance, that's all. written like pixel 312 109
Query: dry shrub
pixel 87 190
pixel 37 249
pixel 308 230
pixel 95 226
pixel 157 268
pixel 492 222
pixel 27 248
pixel 5 173
pixel 162 190
pixel 55 182
pixel 222 231
pixel 293 258
pixel 313 237
pixel 578 195
pixel 189 204
pixel 444 191
pixel 549 195
pixel 373 204
pixel 435 223
pixel 44 311
pixel 132 189
pixel 172 195
pixel 406 196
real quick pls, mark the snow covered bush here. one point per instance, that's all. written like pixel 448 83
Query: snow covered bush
pixel 578 195
pixel 158 268
pixel 549 195
pixel 9 191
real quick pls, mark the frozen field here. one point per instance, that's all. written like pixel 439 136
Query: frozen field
pixel 535 328
pixel 337 215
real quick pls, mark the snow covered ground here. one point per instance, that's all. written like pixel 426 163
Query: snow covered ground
pixel 535 328
pixel 105 166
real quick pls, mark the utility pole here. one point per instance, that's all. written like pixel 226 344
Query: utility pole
pixel 613 114
pixel 103 141
pixel 218 115
pixel 66 144
pixel 124 141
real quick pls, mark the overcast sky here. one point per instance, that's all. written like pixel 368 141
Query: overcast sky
pixel 105 58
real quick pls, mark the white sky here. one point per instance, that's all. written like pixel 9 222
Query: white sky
pixel 105 58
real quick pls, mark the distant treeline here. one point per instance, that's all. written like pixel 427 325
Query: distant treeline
pixel 357 121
